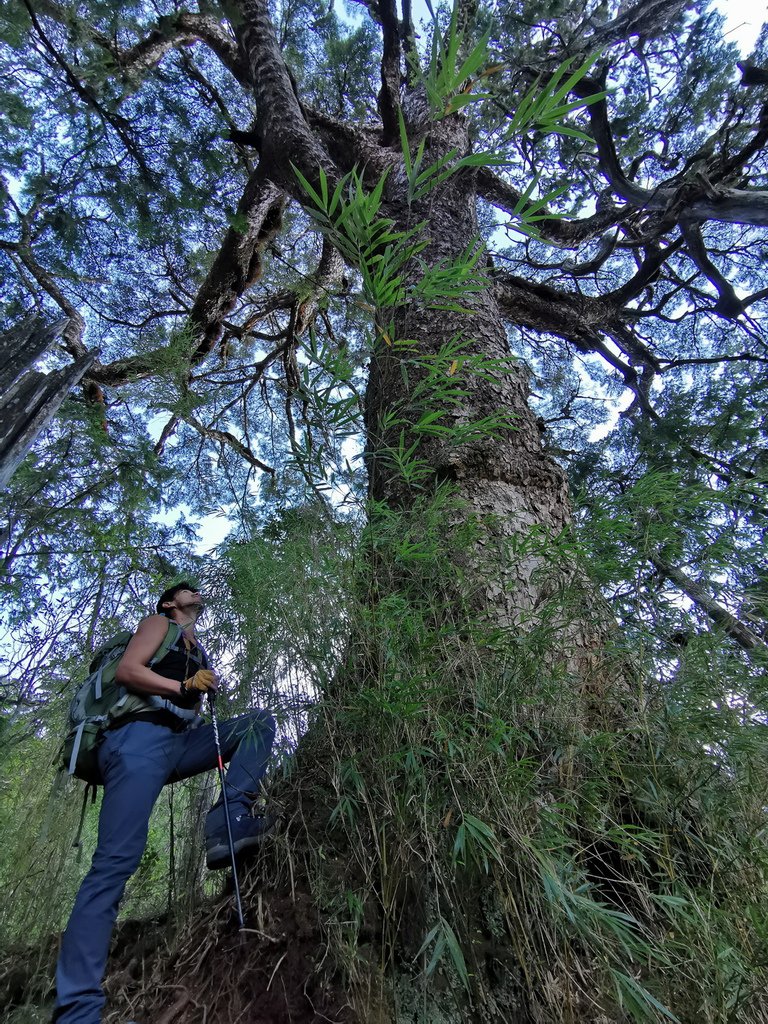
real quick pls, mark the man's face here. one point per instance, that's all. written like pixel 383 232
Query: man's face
pixel 188 599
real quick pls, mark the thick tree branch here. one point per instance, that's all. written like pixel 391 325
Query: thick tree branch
pixel 725 169
pixel 389 95
pixel 237 266
pixel 328 274
pixel 684 197
pixel 728 302
pixel 238 262
pixel 73 332
pixel 609 160
pixel 349 145
pixel 591 266
pixel 224 437
pixel 751 74
pixel 408 39
pixel 580 320
pixel 183 28
pixel 567 233
pixel 735 629
pixel 646 19
pixel 287 138
pixel 647 272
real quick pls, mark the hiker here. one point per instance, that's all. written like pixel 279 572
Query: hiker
pixel 140 752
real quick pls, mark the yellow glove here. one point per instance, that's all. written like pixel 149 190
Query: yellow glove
pixel 203 680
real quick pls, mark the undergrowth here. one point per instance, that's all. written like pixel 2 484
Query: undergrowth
pixel 529 858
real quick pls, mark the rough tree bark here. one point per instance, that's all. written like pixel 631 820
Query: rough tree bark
pixel 505 480
pixel 29 399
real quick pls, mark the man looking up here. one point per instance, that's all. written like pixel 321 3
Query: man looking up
pixel 142 751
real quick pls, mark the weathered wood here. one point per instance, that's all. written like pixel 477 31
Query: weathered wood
pixel 29 398
pixel 23 345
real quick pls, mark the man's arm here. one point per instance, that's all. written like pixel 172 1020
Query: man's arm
pixel 134 671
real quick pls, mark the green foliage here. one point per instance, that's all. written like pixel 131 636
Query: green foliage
pixel 592 855
pixel 438 385
pixel 542 107
pixel 476 840
pixel 350 218
pixel 450 77
pixel 422 180
pixel 445 940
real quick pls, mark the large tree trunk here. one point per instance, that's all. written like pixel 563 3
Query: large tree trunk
pixel 518 568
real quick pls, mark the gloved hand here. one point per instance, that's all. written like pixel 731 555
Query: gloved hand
pixel 203 680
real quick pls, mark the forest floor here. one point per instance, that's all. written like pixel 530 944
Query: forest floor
pixel 205 972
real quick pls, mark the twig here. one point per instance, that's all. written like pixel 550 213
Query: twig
pixel 274 971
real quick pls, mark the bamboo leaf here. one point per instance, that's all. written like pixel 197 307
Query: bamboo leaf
pixel 630 990
pixel 457 956
pixel 308 188
pixel 576 77
pixel 323 187
pixel 404 145
pixel 549 197
pixel 475 60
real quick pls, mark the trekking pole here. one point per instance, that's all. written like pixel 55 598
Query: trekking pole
pixel 227 818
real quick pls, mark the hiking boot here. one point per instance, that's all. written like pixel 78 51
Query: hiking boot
pixel 247 833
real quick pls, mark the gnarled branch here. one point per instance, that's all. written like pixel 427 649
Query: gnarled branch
pixel 224 437
pixel 568 233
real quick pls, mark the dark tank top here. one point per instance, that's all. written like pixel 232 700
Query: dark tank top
pixel 178 664
pixel 181 663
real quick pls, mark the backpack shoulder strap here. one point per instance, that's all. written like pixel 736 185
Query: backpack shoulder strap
pixel 172 636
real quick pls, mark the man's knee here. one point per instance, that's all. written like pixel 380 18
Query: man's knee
pixel 259 723
pixel 253 731
pixel 267 722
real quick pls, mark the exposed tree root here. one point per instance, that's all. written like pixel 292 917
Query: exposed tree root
pixel 270 972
